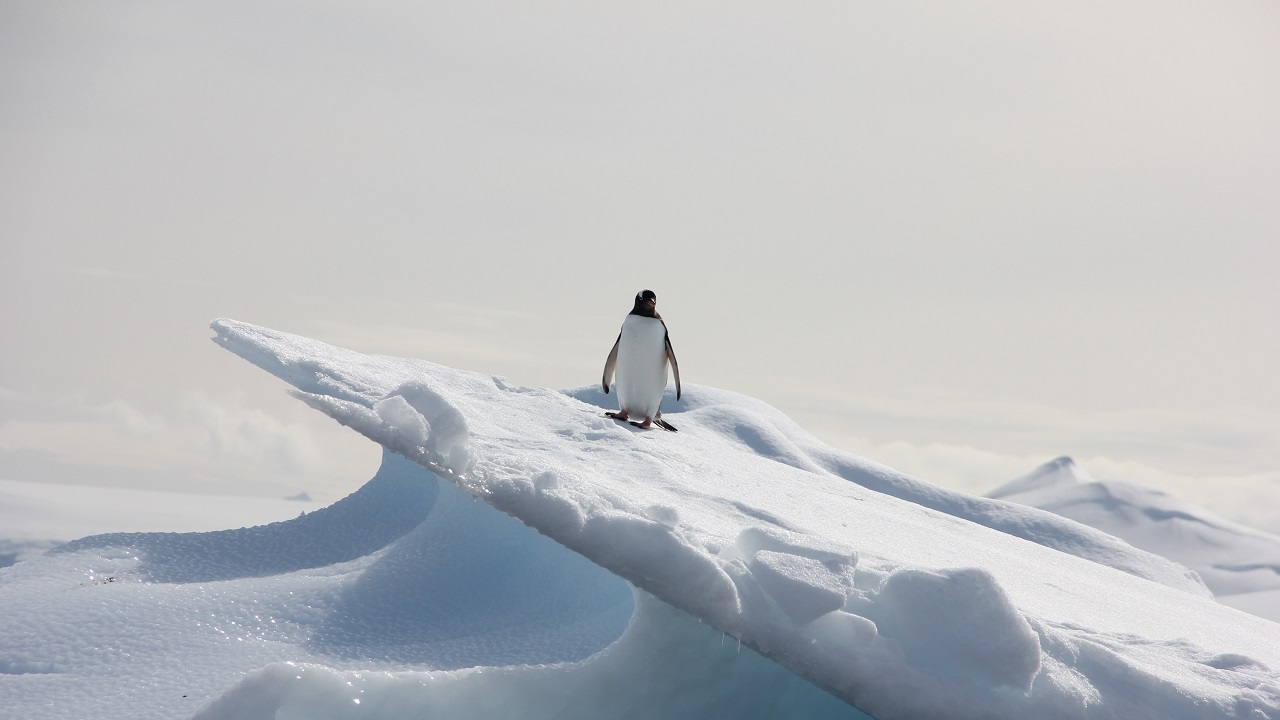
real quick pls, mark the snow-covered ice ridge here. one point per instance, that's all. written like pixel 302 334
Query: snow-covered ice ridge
pixel 411 598
pixel 886 591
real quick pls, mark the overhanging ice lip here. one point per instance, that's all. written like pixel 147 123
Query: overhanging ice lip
pixel 837 595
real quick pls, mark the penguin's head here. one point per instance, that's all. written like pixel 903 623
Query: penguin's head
pixel 646 301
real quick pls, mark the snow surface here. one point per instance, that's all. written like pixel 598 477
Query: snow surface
pixel 1240 565
pixel 655 555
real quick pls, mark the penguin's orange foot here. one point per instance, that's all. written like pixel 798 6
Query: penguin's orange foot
pixel 648 423
pixel 620 415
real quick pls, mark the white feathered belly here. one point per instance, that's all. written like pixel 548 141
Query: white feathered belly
pixel 641 374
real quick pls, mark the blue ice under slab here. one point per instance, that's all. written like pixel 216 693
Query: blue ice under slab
pixel 473 586
pixel 668 664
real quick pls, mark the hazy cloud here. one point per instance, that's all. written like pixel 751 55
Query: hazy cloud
pixel 200 445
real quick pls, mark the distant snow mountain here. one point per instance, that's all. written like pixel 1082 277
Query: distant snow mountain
pixel 1239 564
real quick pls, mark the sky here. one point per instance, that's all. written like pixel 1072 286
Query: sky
pixel 960 239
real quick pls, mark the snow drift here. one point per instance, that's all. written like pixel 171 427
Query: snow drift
pixel 638 564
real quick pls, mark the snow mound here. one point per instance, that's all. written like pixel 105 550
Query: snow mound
pixel 959 622
pixel 1231 558
pixel 805 588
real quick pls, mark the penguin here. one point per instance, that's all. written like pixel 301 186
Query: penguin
pixel 640 356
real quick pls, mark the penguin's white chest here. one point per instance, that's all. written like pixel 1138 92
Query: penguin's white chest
pixel 641 374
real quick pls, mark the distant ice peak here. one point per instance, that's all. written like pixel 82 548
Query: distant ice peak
pixel 1060 463
pixel 1061 470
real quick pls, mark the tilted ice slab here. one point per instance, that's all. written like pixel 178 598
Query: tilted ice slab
pixel 880 588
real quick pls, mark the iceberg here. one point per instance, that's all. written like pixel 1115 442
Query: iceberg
pixel 518 554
